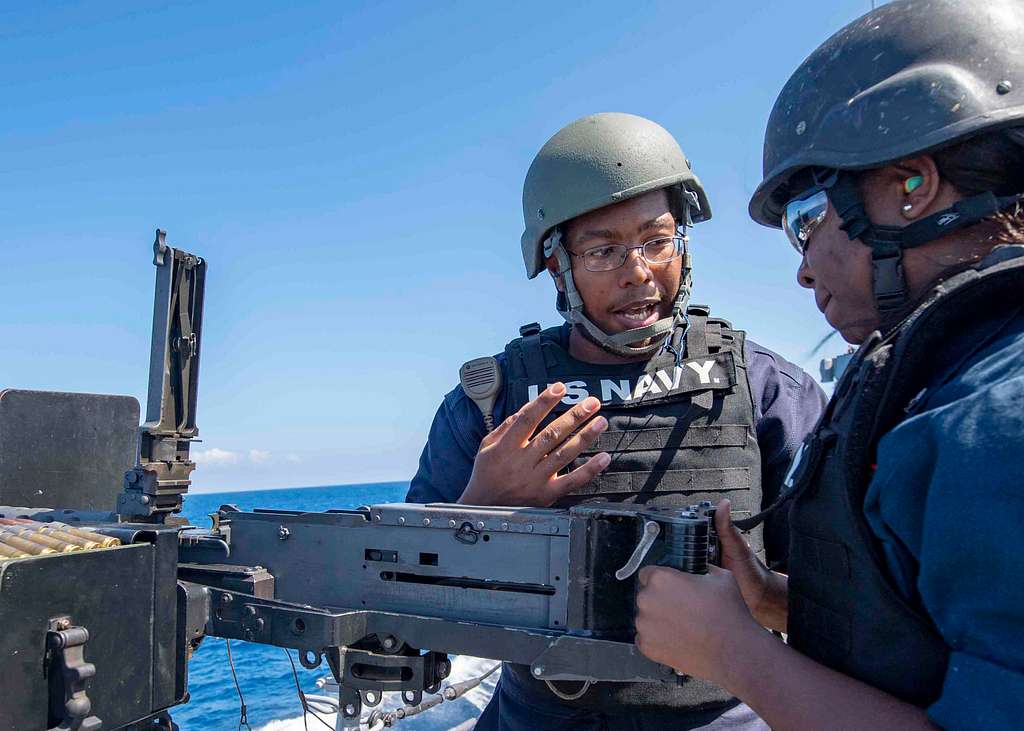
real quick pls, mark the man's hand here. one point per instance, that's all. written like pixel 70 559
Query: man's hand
pixel 516 467
pixel 763 590
pixel 696 624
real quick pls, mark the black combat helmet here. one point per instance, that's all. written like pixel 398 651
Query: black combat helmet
pixel 908 78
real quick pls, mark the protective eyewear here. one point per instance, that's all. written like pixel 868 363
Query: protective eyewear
pixel 802 216
pixel 607 257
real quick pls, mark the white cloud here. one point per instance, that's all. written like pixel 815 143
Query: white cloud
pixel 214 456
pixel 259 456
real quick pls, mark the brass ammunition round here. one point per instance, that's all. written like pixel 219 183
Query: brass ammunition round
pixel 71 539
pixel 8 552
pixel 87 535
pixel 44 540
pixel 36 536
pixel 21 544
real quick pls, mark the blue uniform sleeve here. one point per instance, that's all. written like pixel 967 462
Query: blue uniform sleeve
pixel 447 459
pixel 787 406
pixel 947 502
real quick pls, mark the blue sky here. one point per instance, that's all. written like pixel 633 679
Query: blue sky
pixel 352 172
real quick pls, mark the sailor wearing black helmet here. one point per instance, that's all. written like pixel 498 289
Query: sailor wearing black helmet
pixel 651 400
pixel 894 160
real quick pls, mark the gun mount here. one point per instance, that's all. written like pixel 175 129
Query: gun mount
pixel 98 598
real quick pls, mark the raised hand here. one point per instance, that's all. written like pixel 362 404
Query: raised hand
pixel 515 466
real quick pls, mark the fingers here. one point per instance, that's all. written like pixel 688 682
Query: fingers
pixel 561 428
pixel 533 413
pixel 571 448
pixel 565 484
pixel 502 429
pixel 732 540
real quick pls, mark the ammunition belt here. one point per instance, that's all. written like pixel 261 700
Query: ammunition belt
pixel 24 538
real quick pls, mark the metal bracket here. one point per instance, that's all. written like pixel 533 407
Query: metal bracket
pixel 361 672
pixel 153 489
pixel 68 674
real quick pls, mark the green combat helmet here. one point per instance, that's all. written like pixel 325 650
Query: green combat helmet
pixel 910 78
pixel 591 163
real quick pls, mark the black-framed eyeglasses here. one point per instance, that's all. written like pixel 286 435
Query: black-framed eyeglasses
pixel 606 257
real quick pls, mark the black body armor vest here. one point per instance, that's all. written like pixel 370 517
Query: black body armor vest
pixel 844 608
pixel 680 430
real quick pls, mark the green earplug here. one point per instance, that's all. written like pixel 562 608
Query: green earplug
pixel 913 183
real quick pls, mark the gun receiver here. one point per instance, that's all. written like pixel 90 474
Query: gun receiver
pixel 371 589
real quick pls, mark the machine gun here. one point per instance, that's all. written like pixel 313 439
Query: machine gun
pixel 383 593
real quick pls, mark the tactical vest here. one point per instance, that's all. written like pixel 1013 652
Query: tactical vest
pixel 680 430
pixel 844 608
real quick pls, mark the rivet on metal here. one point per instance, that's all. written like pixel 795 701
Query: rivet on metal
pixel 481 525
pixel 529 528
pixel 504 526
pixel 426 521
pixel 350 709
pixel 401 520
pixel 376 516
pixel 451 523
pixel 538 671
pixel 1004 87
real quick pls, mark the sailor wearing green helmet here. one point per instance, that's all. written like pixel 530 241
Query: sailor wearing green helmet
pixel 640 397
pixel 894 160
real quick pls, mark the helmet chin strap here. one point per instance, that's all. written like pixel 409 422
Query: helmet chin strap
pixel 570 306
pixel 888 242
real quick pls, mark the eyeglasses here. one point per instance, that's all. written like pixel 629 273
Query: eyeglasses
pixel 802 216
pixel 607 257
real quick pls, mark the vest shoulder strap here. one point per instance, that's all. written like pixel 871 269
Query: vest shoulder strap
pixel 953 307
pixel 525 354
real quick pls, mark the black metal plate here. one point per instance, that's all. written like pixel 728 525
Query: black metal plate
pixel 65 449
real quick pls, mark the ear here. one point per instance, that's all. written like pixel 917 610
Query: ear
pixel 918 198
pixel 552 266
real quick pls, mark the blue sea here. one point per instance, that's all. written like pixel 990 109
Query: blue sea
pixel 264 673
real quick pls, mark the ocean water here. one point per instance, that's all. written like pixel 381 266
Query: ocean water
pixel 264 673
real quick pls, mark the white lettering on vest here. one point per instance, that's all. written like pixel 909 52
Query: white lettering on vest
pixel 677 377
pixel 665 379
pixel 620 389
pixel 703 370
pixel 532 392
pixel 575 391
pixel 645 384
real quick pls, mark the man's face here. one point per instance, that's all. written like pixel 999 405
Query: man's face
pixel 637 293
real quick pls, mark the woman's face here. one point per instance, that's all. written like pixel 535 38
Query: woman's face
pixel 839 270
